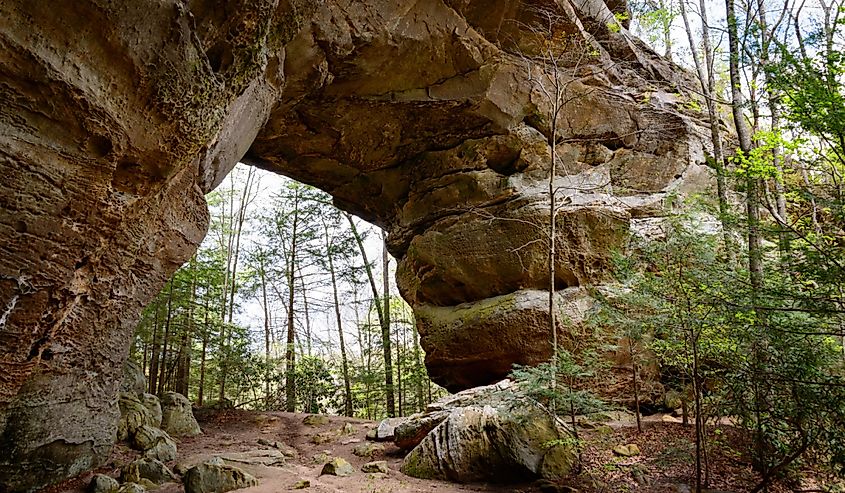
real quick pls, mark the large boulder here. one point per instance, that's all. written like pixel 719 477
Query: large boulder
pixel 154 443
pixel 135 413
pixel 492 433
pixel 214 477
pixel 146 468
pixel 177 417
pixel 153 405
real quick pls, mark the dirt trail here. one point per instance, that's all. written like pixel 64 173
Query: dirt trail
pixel 663 466
pixel 240 431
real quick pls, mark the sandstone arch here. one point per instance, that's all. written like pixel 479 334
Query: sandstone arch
pixel 117 117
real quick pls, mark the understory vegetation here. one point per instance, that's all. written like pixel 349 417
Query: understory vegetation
pixel 736 299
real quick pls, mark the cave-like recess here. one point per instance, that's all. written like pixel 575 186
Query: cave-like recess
pixel 118 116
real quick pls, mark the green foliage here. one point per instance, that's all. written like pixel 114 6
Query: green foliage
pixel 565 395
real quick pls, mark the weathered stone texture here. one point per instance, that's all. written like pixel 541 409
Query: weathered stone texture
pixel 117 117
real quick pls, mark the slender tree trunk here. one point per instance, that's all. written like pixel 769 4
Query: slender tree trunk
pixel 707 79
pixel 385 332
pixel 153 375
pixel 163 363
pixel 398 365
pixel 183 373
pixel 636 385
pixel 418 370
pixel 383 319
pixel 347 388
pixel 203 353
pixel 755 258
pixel 290 353
pixel 307 312
pixel 228 246
pixel 265 306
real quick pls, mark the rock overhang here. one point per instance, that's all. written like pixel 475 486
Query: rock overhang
pixel 418 116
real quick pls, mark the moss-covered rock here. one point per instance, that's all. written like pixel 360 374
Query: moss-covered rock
pixel 213 477
pixel 177 417
pixel 490 434
pixel 338 466
pixel 155 443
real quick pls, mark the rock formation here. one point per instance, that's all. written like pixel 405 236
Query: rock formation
pixel 490 433
pixel 423 117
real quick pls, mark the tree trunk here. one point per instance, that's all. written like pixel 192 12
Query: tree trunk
pixel 290 353
pixel 752 203
pixel 264 305
pixel 163 362
pixel 708 89
pixel 153 375
pixel 347 387
pixel 203 353
pixel 384 322
pixel 385 333
pixel 419 370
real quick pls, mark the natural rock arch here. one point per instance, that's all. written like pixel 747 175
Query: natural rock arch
pixel 117 117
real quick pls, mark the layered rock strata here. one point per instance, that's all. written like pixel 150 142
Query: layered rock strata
pixel 423 117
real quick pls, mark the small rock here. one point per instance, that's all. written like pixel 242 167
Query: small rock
pixel 348 429
pixel 411 432
pixel 385 430
pixel 324 437
pixel 155 443
pixel 372 434
pixel 267 457
pixel 604 430
pixel 131 488
pixel 376 466
pixel 322 457
pixel 640 474
pixel 301 484
pixel 628 450
pixel 668 418
pixel 284 448
pixel 146 468
pixel 337 467
pixel 210 477
pixel 177 417
pixel 368 449
pixel 316 420
pixel 101 483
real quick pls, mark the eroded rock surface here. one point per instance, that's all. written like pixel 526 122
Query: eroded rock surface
pixel 490 433
pixel 177 416
pixel 117 117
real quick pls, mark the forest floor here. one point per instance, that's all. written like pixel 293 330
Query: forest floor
pixel 664 465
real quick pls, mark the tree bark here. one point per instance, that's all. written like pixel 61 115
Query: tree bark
pixel 163 362
pixel 347 387
pixel 290 353
pixel 383 321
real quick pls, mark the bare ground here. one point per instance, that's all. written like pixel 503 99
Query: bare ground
pixel 665 464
